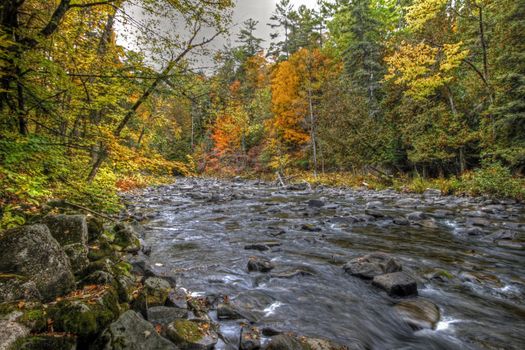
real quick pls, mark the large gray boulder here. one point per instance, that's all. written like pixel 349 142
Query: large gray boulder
pixel 32 253
pixel 371 265
pixel 132 332
pixel 78 257
pixel 13 287
pixel 68 229
pixel 10 332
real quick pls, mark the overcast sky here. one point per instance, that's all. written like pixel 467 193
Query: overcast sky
pixel 261 10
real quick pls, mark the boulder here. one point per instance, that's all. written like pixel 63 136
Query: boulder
pixel 95 228
pixel 259 264
pixel 132 332
pixel 31 252
pixel 11 332
pixel 88 314
pixel 13 287
pixel 78 257
pixel 163 315
pixel 371 265
pixel 192 334
pixel 156 291
pixel 126 238
pixel 418 313
pixel 316 203
pixel 68 229
pixel 397 284
pixel 227 312
pixel 47 342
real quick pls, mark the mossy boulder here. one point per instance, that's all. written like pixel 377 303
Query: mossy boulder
pixel 68 229
pixel 86 316
pixel 101 249
pixel 95 227
pixel 46 342
pixel 192 334
pixel 156 291
pixel 15 287
pixel 78 257
pixel 132 332
pixel 32 252
pixel 126 238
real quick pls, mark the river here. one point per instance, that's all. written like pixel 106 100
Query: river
pixel 466 254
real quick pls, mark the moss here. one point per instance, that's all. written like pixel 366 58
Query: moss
pixel 444 274
pixel 123 268
pixel 188 331
pixel 35 319
pixel 7 308
pixel 44 342
pixel 86 318
pixel 102 249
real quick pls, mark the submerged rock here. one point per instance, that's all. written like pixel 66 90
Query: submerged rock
pixel 372 265
pixel 192 334
pixel 293 342
pixel 260 264
pixel 397 284
pixel 32 253
pixel 132 332
pixel 418 313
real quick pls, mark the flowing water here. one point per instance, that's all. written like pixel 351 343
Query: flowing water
pixel 198 231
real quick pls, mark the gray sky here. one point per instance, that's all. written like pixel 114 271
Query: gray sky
pixel 261 10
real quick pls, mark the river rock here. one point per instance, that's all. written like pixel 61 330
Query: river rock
pixel 397 284
pixel 418 313
pixel 227 312
pixel 259 264
pixel 163 315
pixel 250 338
pixel 316 203
pixel 68 229
pixel 293 342
pixel 192 334
pixel 132 332
pixel 371 265
pixel 416 216
pixel 156 290
pixel 32 253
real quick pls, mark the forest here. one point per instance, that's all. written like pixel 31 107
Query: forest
pixel 407 94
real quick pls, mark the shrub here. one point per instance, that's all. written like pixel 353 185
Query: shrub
pixel 495 180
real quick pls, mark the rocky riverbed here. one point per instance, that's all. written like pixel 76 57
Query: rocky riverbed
pixel 281 260
pixel 205 264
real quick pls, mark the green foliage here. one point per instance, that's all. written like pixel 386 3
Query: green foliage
pixel 493 179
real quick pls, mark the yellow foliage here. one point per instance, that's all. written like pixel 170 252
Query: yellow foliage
pixel 423 11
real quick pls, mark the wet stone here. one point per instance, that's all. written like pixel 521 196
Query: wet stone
pixel 250 338
pixel 192 334
pixel 371 265
pixel 260 264
pixel 397 284
pixel 418 313
pixel 156 290
pixel 227 312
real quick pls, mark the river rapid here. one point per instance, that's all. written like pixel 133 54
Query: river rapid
pixel 467 255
